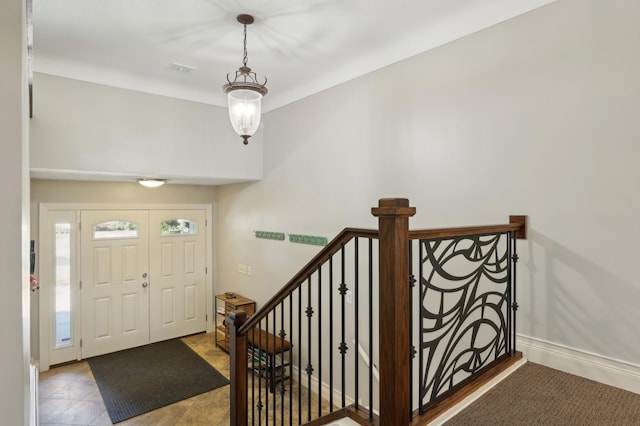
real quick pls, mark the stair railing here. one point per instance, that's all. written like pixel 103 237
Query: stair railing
pixel 346 299
pixel 302 363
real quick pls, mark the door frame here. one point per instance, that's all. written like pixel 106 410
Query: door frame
pixel 45 260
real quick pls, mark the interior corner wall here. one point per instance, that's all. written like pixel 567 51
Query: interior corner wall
pixel 15 390
pixel 537 115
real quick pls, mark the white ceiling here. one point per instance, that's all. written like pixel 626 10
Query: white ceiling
pixel 302 46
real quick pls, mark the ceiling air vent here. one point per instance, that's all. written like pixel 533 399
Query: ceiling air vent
pixel 181 67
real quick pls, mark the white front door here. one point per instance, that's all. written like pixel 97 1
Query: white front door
pixel 178 294
pixel 115 283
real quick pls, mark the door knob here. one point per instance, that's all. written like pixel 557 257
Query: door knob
pixel 145 284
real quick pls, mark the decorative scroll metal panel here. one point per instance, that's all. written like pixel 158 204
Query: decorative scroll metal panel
pixel 465 318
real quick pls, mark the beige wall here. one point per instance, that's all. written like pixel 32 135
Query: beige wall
pixel 14 223
pixel 537 115
pixel 67 191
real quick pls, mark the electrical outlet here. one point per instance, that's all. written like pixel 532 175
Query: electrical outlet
pixel 349 297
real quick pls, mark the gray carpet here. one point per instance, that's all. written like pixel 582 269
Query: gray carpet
pixel 139 380
pixel 537 395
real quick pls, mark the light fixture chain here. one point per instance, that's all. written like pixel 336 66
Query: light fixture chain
pixel 244 60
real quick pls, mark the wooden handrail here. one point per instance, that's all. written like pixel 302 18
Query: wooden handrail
pixel 419 234
pixel 318 260
pixel 518 224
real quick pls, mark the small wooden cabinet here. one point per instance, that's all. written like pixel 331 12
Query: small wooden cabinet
pixel 226 303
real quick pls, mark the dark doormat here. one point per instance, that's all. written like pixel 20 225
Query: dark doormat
pixel 143 379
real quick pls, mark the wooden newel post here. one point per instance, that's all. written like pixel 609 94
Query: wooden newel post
pixel 393 217
pixel 238 368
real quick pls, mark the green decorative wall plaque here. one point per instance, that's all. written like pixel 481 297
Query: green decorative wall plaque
pixel 270 235
pixel 308 239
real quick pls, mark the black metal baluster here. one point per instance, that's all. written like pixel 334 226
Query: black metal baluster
pixel 283 334
pixel 515 300
pixel 343 345
pixel 319 341
pixel 291 360
pixel 273 368
pixel 508 312
pixel 260 366
pixel 246 384
pixel 309 369
pixel 355 297
pixel 421 290
pixel 370 328
pixel 300 354
pixel 266 360
pixel 331 334
pixel 253 376
pixel 412 282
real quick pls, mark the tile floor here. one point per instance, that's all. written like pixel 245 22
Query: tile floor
pixel 69 396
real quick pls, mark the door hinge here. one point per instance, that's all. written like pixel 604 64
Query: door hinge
pixel 206 222
pixel 206 270
pixel 80 342
pixel 79 226
pixel 206 317
pixel 80 285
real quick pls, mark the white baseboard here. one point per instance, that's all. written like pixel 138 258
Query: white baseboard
pixel 33 396
pixel 605 370
pixel 326 390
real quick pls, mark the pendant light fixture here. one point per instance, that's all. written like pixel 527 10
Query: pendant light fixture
pixel 244 93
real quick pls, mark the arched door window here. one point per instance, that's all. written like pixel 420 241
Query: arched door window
pixel 178 227
pixel 115 229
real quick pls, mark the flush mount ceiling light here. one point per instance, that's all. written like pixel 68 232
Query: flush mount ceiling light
pixel 244 93
pixel 152 183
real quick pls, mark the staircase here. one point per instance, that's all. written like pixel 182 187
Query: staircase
pixel 433 311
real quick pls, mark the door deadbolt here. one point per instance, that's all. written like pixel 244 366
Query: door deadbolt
pixel 144 275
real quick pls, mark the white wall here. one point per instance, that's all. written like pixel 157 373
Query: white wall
pixel 537 116
pixel 14 222
pixel 85 127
